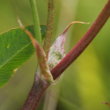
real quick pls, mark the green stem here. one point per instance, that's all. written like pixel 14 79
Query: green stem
pixel 50 21
pixel 36 20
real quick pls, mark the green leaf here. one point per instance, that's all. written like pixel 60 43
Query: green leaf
pixel 15 48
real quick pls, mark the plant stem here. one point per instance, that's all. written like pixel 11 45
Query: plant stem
pixel 50 21
pixel 40 86
pixel 84 42
pixel 36 20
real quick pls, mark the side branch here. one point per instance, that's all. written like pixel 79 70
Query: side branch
pixel 83 43
pixel 39 86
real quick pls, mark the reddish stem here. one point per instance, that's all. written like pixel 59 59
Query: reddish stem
pixel 40 86
pixel 83 43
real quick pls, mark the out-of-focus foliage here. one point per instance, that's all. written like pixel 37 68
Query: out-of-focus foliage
pixel 85 85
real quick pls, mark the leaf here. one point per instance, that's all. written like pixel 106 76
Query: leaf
pixel 15 48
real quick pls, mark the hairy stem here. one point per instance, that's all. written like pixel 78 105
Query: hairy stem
pixel 50 21
pixel 39 88
pixel 36 20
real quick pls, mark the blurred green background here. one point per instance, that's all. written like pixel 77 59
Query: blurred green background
pixel 85 85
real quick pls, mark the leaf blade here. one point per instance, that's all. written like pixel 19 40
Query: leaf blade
pixel 15 49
